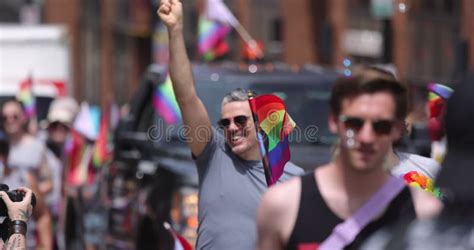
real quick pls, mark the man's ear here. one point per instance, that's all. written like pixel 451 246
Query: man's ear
pixel 332 123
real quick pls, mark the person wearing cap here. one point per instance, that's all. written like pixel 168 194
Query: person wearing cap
pixel 61 114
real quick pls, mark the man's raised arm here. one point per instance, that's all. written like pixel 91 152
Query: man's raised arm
pixel 194 113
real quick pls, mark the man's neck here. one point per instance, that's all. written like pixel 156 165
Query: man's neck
pixel 251 155
pixel 345 190
pixel 359 182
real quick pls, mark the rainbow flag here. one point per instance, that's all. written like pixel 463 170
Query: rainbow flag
pixel 274 125
pixel 437 96
pixel 419 180
pixel 78 168
pixel 164 102
pixel 102 152
pixel 25 96
pixel 211 39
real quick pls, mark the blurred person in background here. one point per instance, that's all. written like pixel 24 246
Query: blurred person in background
pixel 454 227
pixel 27 153
pixel 61 114
pixel 438 95
pixel 59 120
pixel 18 213
pixel 230 170
pixel 368 114
pixel 14 178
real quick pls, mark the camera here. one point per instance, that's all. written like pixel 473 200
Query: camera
pixel 15 196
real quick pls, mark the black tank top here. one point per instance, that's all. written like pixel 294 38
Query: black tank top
pixel 315 220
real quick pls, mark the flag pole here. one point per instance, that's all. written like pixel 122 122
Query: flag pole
pixel 248 39
pixel 261 141
pixel 217 10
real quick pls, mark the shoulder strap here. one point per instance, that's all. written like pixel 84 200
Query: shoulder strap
pixel 345 232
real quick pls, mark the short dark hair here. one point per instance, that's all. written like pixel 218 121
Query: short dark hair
pixel 348 87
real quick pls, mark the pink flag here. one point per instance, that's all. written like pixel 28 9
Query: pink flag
pixel 218 11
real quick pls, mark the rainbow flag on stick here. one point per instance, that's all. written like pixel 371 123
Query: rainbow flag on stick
pixel 438 94
pixel 273 126
pixel 211 39
pixel 102 150
pixel 164 102
pixel 25 96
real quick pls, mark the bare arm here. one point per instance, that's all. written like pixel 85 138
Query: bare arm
pixel 426 205
pixel 18 211
pixel 195 116
pixel 277 213
pixel 42 216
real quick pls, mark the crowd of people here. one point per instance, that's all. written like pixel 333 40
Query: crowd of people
pixel 371 195
pixel 369 188
pixel 38 161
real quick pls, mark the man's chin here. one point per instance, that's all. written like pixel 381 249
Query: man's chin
pixel 238 149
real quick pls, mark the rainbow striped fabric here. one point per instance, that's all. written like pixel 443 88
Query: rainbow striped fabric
pixel 164 102
pixel 276 125
pixel 416 179
pixel 102 152
pixel 437 90
pixel 25 96
pixel 437 95
pixel 211 39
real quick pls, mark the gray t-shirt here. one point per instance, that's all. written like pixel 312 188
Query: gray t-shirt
pixel 26 154
pixel 229 194
pixel 411 162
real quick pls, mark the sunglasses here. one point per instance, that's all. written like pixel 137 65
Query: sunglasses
pixel 9 117
pixel 239 120
pixel 56 125
pixel 380 127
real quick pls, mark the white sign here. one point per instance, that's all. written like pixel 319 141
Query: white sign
pixel 366 43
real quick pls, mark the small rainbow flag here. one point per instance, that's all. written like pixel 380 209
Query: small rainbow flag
pixel 78 167
pixel 102 153
pixel 274 125
pixel 211 39
pixel 26 97
pixel 416 179
pixel 164 102
pixel 437 96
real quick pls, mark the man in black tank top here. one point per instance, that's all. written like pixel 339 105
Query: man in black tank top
pixel 368 116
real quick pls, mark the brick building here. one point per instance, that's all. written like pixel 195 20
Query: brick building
pixel 426 40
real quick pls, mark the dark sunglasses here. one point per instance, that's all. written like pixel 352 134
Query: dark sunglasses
pixel 8 117
pixel 56 125
pixel 239 120
pixel 380 127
